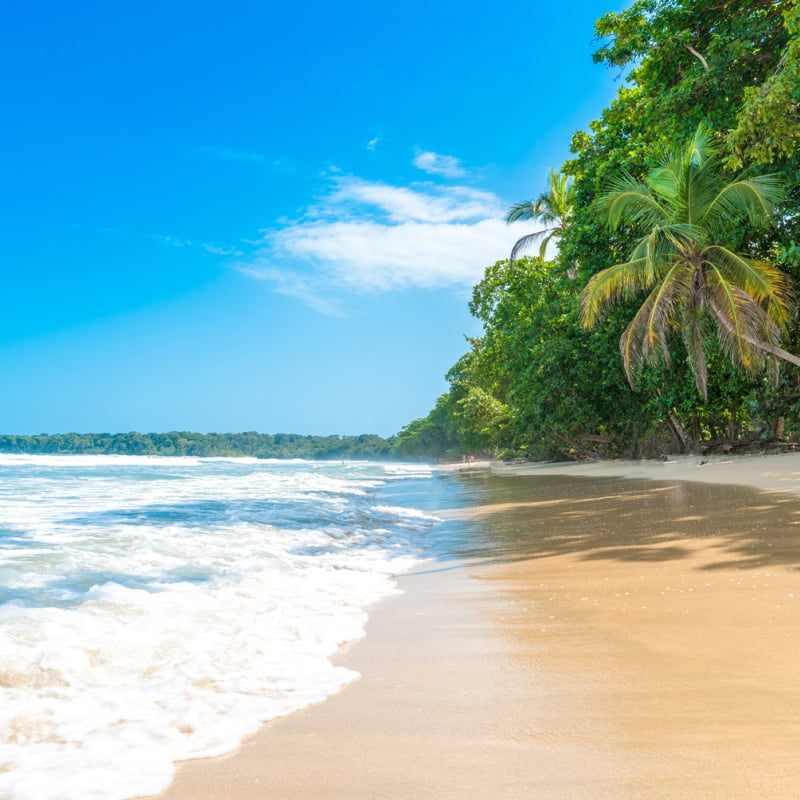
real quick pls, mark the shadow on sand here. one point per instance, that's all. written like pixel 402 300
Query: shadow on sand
pixel 514 518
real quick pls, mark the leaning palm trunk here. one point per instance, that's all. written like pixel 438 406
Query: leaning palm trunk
pixel 770 349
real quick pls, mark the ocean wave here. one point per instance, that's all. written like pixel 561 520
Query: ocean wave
pixel 161 611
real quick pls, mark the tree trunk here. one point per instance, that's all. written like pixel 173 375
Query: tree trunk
pixel 681 434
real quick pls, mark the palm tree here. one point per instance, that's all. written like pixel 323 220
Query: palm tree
pixel 552 208
pixel 696 282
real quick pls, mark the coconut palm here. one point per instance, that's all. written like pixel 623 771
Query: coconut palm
pixel 697 283
pixel 552 208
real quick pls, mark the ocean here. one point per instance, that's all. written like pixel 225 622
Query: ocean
pixel 160 609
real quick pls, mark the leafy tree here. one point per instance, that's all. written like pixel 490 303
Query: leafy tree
pixel 543 385
pixel 768 128
pixel 433 436
pixel 695 280
pixel 259 445
pixel 561 391
pixel 684 62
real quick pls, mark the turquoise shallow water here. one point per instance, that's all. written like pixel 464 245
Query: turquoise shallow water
pixel 153 610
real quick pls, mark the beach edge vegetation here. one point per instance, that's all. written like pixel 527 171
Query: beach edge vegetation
pixel 680 359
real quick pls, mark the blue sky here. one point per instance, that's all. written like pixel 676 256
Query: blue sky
pixel 252 216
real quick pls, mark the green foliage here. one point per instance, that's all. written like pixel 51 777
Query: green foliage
pixel 687 209
pixel 562 389
pixel 434 436
pixel 686 62
pixel 181 443
pixel 669 92
pixel 768 128
pixel 536 383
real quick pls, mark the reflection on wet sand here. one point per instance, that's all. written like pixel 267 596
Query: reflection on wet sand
pixel 674 608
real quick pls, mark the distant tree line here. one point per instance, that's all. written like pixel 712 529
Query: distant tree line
pixel 184 443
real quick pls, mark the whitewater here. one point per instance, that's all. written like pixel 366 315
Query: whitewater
pixel 160 609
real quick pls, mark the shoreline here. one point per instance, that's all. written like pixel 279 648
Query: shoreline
pixel 430 716
pixel 779 472
pixel 655 660
pixel 776 472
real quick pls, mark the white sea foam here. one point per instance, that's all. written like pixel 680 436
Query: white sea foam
pixel 156 610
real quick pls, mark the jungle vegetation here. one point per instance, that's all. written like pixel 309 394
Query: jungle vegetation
pixel 667 318
pixel 185 443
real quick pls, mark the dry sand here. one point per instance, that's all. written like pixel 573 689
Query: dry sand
pixel 610 637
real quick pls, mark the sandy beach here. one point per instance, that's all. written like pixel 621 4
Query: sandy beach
pixel 609 630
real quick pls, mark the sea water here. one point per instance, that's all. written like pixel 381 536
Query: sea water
pixel 159 609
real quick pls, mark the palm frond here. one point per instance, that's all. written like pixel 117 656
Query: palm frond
pixel 767 285
pixel 681 233
pixel 754 198
pixel 768 347
pixel 629 200
pixel 676 239
pixel 675 285
pixel 645 338
pixel 530 239
pixel 552 233
pixel 658 252
pixel 741 322
pixel 524 209
pixel 693 340
pixel 701 149
pixel 560 194
pixel 620 281
pixel 631 345
pixel 665 181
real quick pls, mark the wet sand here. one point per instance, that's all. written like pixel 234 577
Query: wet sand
pixel 609 637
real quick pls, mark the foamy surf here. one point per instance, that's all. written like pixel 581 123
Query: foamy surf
pixel 157 610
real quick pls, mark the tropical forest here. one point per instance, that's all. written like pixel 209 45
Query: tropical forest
pixel 652 307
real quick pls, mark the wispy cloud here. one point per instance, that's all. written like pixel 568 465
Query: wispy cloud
pixel 173 241
pixel 213 249
pixel 415 203
pixel 291 284
pixel 368 236
pixel 436 164
pixel 371 256
pixel 372 143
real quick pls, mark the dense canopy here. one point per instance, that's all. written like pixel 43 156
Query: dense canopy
pixel 679 240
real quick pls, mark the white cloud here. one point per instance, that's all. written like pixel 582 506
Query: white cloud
pixel 290 284
pixel 373 143
pixel 368 236
pixel 372 256
pixel 216 250
pixel 436 164
pixel 213 249
pixel 420 203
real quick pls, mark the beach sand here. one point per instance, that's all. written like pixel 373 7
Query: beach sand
pixel 611 630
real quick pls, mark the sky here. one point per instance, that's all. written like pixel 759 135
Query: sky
pixel 222 217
